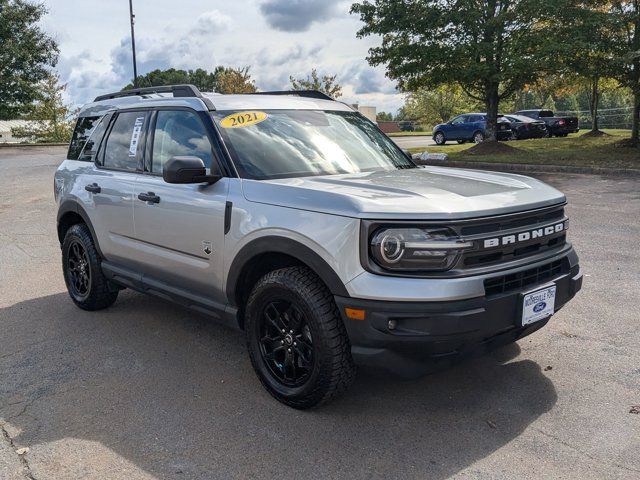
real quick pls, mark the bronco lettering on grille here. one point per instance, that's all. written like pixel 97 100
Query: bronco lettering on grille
pixel 526 235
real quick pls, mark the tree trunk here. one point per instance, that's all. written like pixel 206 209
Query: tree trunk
pixel 636 119
pixel 492 101
pixel 595 100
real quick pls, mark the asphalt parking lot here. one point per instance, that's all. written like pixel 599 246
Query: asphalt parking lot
pixel 413 141
pixel 147 390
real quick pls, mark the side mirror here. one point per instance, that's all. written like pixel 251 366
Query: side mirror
pixel 187 170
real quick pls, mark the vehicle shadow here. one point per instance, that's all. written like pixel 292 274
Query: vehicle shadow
pixel 173 394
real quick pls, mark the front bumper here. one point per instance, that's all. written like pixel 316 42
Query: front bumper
pixel 430 335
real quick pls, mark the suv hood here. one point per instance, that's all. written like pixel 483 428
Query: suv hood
pixel 420 193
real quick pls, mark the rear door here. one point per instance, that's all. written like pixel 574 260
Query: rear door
pixel 180 237
pixel 118 163
pixel 472 124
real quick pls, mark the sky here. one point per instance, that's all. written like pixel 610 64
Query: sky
pixel 276 38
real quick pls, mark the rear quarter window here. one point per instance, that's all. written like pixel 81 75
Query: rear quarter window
pixel 81 133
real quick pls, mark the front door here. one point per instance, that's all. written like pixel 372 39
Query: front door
pixel 456 128
pixel 180 234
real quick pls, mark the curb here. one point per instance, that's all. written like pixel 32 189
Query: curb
pixel 528 167
pixel 27 145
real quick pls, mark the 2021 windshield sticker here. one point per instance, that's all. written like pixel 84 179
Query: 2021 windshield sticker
pixel 135 136
pixel 243 119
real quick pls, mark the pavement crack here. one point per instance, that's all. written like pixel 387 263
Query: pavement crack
pixel 581 452
pixel 26 468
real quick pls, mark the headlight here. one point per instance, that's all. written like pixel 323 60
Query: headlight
pixel 416 249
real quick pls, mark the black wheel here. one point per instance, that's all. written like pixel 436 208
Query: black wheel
pixel 439 138
pixel 88 287
pixel 297 342
pixel 478 137
pixel 547 134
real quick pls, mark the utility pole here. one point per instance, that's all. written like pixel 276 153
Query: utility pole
pixel 133 45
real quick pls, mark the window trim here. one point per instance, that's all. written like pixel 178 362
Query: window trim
pixel 99 158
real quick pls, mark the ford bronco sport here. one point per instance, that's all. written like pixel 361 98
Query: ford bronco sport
pixel 292 217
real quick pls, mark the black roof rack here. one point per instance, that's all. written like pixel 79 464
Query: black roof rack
pixel 176 90
pixel 299 93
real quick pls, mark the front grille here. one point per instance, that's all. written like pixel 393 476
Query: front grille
pixel 527 278
pixel 530 220
pixel 510 225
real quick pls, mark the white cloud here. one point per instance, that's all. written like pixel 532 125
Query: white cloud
pixel 96 49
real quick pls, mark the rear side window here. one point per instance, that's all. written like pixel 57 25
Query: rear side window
pixel 92 144
pixel 546 113
pixel 179 133
pixel 84 128
pixel 124 144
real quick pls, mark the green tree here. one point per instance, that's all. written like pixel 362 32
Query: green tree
pixel 327 84
pixel 384 117
pixel 626 61
pixel 491 48
pixel 438 105
pixel 589 54
pixel 26 52
pixel 52 118
pixel 233 80
pixel 221 80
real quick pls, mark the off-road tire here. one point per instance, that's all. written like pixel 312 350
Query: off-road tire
pixel 333 369
pixel 101 293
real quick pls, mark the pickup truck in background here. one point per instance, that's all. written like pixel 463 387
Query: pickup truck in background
pixel 556 126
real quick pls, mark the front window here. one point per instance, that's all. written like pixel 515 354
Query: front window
pixel 295 143
pixel 179 133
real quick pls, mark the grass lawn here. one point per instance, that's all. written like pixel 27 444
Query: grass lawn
pixel 408 134
pixel 572 150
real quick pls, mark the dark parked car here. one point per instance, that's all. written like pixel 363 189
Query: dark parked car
pixel 526 127
pixel 556 126
pixel 470 127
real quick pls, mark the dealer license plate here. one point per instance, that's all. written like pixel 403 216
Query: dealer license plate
pixel 538 305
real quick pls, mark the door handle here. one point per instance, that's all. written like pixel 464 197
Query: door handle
pixel 149 197
pixel 93 188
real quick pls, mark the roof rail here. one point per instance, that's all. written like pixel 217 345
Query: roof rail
pixel 299 93
pixel 177 91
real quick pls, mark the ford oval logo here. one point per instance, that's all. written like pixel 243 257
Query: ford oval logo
pixel 539 307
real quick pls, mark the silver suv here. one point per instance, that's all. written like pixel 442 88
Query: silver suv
pixel 294 218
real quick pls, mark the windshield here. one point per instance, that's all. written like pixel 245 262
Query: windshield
pixel 294 143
